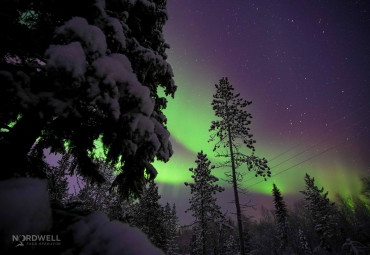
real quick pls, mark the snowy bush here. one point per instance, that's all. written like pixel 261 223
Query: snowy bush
pixel 96 234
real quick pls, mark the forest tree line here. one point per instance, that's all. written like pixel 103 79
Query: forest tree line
pixel 314 225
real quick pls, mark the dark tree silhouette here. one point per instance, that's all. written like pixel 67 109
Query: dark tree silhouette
pixel 231 129
pixel 202 202
pixel 324 213
pixel 171 224
pixel 148 215
pixel 281 216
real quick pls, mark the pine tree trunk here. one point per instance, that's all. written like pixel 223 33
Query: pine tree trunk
pixel 203 229
pixel 236 195
pixel 204 242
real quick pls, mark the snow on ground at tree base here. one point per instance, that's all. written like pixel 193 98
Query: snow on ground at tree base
pixel 96 234
pixel 25 208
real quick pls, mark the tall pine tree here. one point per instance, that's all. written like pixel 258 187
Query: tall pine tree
pixel 148 215
pixel 229 131
pixel 202 202
pixel 281 216
pixel 172 247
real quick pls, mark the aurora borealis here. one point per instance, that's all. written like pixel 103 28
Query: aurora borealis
pixel 304 65
pixel 185 127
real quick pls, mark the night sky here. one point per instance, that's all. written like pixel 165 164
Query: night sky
pixel 305 65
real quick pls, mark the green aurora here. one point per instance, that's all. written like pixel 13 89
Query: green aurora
pixel 189 117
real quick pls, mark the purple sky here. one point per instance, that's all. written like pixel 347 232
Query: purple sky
pixel 290 58
pixel 304 64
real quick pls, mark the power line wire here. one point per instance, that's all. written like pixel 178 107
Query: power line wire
pixel 312 146
pixel 332 124
pixel 310 158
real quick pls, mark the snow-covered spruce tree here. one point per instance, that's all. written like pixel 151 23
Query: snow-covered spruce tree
pixel 203 203
pixel 360 217
pixel 74 74
pixel 303 243
pixel 148 215
pixel 324 213
pixel 170 223
pixel 167 217
pixel 281 217
pixel 229 132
